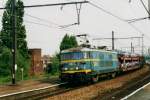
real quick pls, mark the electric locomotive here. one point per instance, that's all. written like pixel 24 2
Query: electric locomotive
pixel 86 64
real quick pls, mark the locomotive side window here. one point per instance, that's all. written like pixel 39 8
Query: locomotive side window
pixel 110 56
pixel 72 56
pixel 101 55
pixel 94 55
pixel 108 60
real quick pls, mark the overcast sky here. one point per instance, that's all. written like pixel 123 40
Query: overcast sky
pixel 94 22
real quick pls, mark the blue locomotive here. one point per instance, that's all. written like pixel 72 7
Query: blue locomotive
pixel 86 64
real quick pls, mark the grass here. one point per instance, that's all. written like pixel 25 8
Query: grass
pixel 7 79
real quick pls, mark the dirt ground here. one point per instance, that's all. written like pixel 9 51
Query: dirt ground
pixel 27 85
pixel 98 89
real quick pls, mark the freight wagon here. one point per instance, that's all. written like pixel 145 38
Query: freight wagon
pixel 86 64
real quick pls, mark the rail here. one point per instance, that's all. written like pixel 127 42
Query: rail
pixel 32 94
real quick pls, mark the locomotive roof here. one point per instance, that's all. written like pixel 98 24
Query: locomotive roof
pixel 84 49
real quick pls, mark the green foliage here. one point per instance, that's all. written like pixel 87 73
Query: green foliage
pixel 4 80
pixel 22 62
pixel 68 42
pixel 6 41
pixel 5 62
pixel 55 64
pixel 6 31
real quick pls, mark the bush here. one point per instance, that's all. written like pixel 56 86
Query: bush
pixel 55 64
pixel 6 64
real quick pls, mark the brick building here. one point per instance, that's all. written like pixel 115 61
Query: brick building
pixel 36 67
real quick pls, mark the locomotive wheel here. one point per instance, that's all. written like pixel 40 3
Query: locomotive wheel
pixel 95 79
pixel 113 75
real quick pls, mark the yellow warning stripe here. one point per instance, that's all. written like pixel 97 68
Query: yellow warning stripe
pixel 77 71
pixel 81 60
pixel 84 60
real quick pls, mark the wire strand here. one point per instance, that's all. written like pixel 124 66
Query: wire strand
pixel 94 5
pixel 145 7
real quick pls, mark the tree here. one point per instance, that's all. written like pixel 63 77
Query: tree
pixel 6 38
pixel 68 42
pixel 6 31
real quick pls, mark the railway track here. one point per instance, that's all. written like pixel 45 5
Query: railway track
pixel 56 89
pixel 35 94
pixel 41 93
pixel 120 94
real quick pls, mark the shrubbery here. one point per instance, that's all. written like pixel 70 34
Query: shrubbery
pixel 6 64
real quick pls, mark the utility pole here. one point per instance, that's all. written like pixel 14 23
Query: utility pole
pixel 131 48
pixel 14 46
pixel 142 44
pixel 149 7
pixel 113 45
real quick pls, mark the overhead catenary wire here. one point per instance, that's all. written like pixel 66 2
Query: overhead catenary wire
pixel 57 26
pixel 41 19
pixel 139 19
pixel 127 21
pixel 116 38
pixel 133 26
pixel 117 17
pixel 56 4
pixel 47 5
pixel 145 7
pixel 77 3
pixel 94 5
pixel 44 25
pixel 137 29
pixel 106 12
pixel 48 26
pixel 130 20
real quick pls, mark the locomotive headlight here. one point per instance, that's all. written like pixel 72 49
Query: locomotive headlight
pixel 65 68
pixel 77 68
